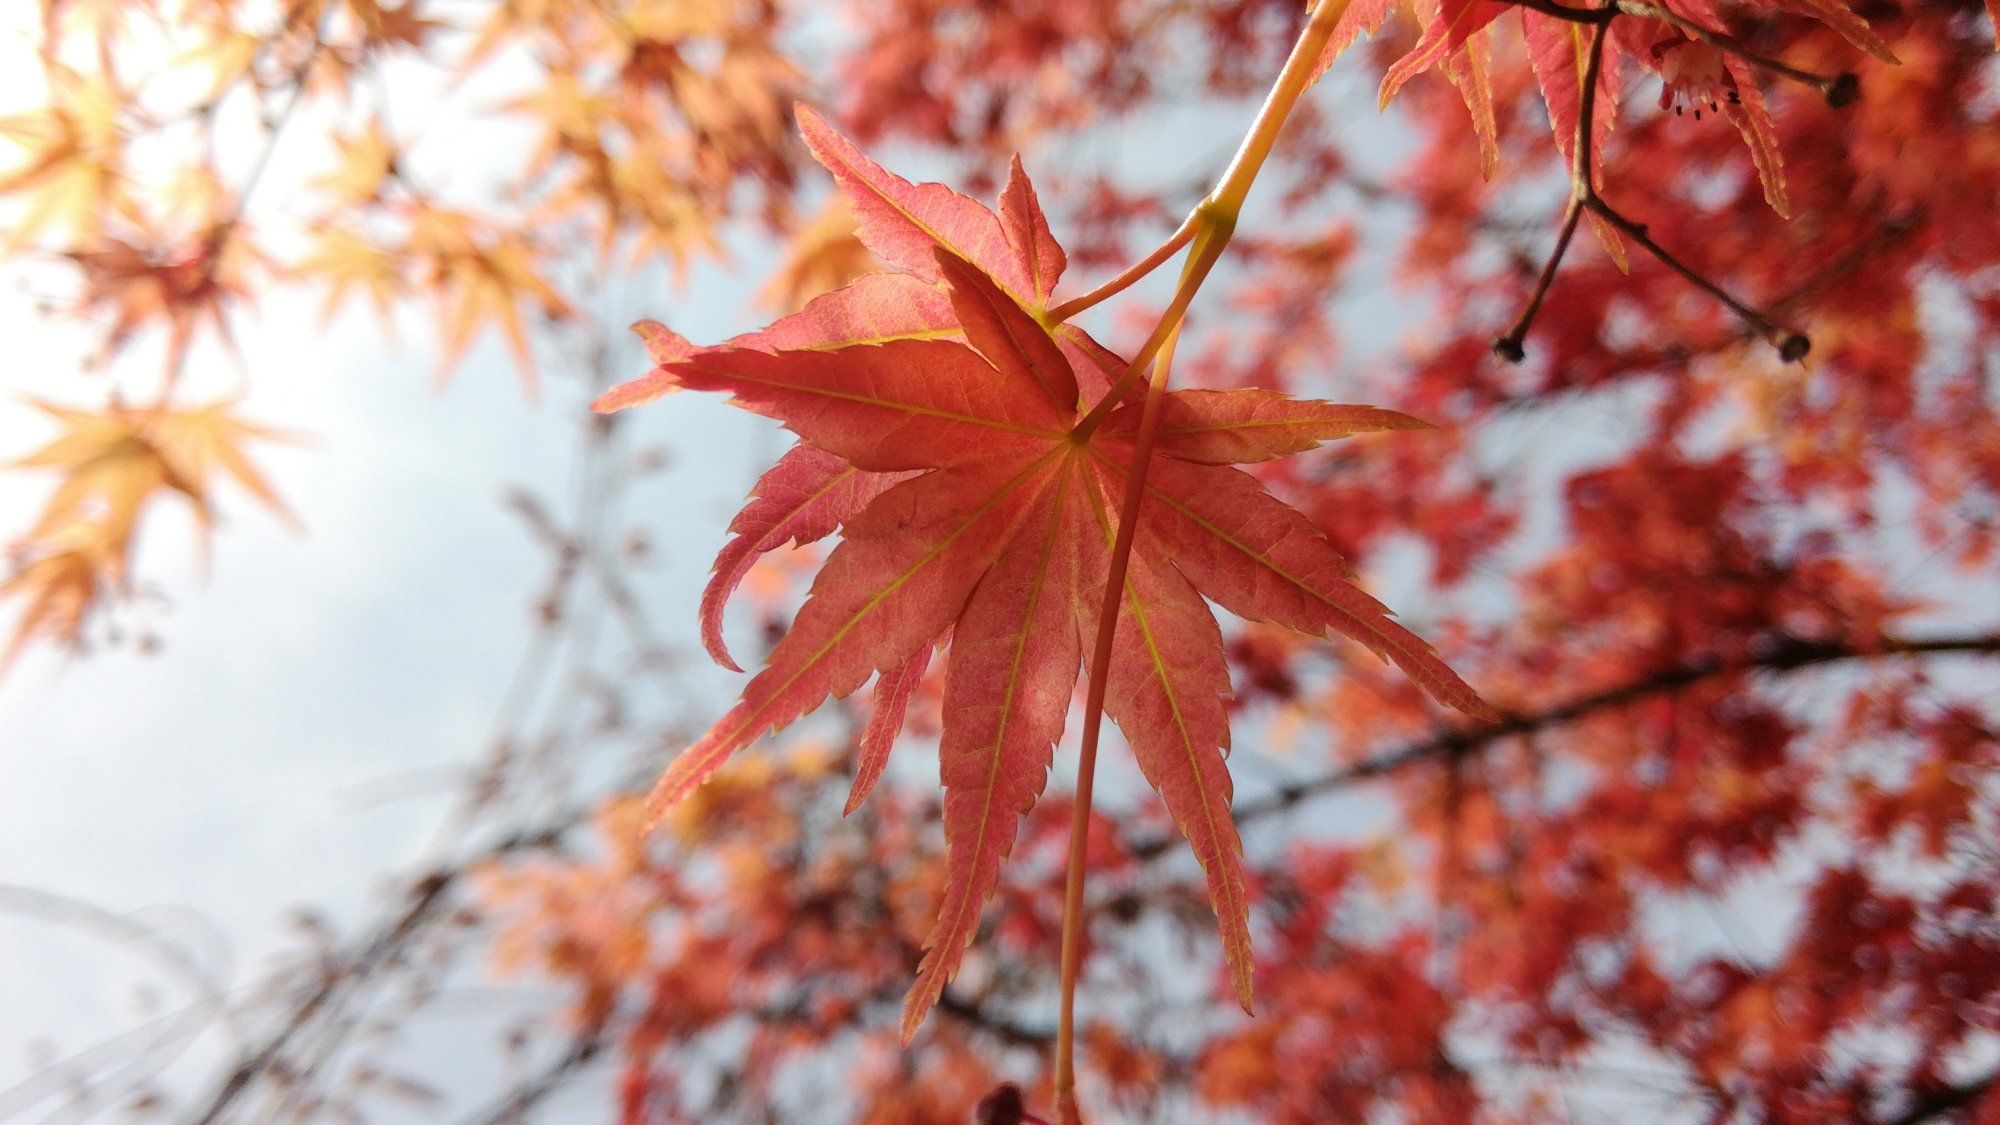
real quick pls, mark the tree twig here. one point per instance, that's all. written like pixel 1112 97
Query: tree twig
pixel 1584 195
pixel 1787 655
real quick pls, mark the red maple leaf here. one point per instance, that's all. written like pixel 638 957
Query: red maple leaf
pixel 938 412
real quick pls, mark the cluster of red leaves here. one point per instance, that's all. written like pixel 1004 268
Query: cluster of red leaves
pixel 1730 853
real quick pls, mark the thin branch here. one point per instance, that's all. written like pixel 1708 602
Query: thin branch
pixel 217 239
pixel 1892 230
pixel 1791 346
pixel 1581 187
pixel 1001 1027
pixel 1787 655
pixel 1508 346
pixel 1592 17
pixel 425 900
pixel 1839 90
pixel 1949 1099
pixel 1214 218
pixel 1207 251
pixel 513 1106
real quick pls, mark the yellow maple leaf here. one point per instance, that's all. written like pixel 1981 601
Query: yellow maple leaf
pixel 367 160
pixel 71 176
pixel 482 275
pixel 346 262
pixel 824 254
pixel 57 586
pixel 113 463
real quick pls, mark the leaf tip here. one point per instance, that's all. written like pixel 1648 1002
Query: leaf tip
pixel 918 1007
pixel 720 654
pixel 656 383
pixel 813 128
pixel 663 344
pixel 1475 705
pixel 1240 979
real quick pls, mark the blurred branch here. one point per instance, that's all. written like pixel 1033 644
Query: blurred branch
pixel 1629 363
pixel 526 1094
pixel 1949 1099
pixel 135 1051
pixel 1789 654
pixel 1003 1027
pixel 424 900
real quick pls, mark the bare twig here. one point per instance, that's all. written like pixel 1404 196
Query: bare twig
pixel 1584 195
pixel 1787 655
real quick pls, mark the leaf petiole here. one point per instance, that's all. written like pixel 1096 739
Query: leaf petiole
pixel 1208 228
pixel 1131 275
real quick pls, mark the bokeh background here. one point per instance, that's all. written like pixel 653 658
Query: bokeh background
pixel 309 803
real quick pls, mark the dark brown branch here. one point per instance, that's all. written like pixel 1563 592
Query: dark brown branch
pixel 424 901
pixel 1949 1099
pixel 1787 655
pixel 1838 90
pixel 1509 346
pixel 1594 17
pixel 999 1026
pixel 1791 346
pixel 1633 362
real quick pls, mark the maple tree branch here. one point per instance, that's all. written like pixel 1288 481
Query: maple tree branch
pixel 1789 654
pixel 971 1014
pixel 514 1104
pixel 1596 17
pixel 1893 230
pixel 216 241
pixel 1207 251
pixel 1508 346
pixel 1214 218
pixel 1949 1099
pixel 1131 275
pixel 1790 346
pixel 1582 182
pixel 425 899
pixel 1840 90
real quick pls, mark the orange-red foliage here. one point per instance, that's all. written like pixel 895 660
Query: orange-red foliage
pixel 1728 853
